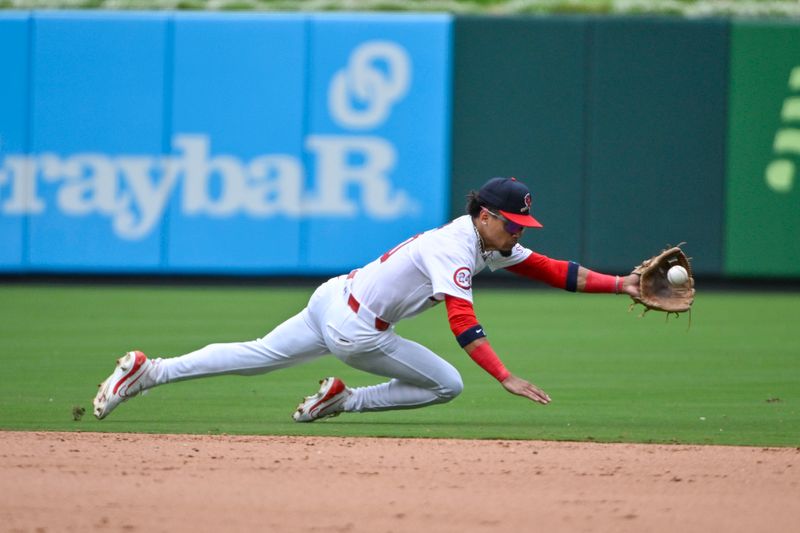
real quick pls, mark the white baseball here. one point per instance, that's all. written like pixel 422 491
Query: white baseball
pixel 677 275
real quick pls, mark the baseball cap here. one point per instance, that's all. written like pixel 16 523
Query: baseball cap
pixel 512 198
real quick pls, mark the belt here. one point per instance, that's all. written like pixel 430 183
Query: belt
pixel 380 324
pixel 363 312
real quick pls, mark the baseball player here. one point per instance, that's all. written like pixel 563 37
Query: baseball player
pixel 353 317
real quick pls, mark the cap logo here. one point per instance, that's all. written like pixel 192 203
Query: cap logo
pixel 527 208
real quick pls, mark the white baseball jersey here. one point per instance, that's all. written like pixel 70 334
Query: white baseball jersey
pixel 417 273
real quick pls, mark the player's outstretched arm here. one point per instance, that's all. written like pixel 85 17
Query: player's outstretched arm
pixel 571 276
pixel 590 281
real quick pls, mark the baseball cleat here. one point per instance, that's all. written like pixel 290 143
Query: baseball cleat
pixel 130 377
pixel 328 402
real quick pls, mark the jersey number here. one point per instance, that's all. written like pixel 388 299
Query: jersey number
pixel 391 252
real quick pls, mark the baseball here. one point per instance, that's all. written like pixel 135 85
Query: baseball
pixel 677 275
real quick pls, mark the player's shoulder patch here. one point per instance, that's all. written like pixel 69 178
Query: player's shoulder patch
pixel 463 277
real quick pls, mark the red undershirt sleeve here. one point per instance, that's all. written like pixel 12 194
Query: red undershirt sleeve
pixel 460 314
pixel 464 325
pixel 484 355
pixel 544 269
pixel 597 282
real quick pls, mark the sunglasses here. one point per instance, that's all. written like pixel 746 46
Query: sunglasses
pixel 511 227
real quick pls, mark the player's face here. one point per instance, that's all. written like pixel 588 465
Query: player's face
pixel 500 233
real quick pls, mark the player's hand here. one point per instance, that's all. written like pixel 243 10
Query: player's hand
pixel 630 285
pixel 520 387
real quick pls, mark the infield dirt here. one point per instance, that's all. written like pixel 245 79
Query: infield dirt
pixel 134 482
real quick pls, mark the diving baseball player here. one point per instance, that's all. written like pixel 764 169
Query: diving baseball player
pixel 353 317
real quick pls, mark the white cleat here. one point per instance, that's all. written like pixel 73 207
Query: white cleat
pixel 328 402
pixel 130 377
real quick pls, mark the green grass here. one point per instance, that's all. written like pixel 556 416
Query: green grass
pixel 732 378
pixel 687 8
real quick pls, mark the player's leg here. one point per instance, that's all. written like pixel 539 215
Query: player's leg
pixel 419 377
pixel 295 341
pixel 291 343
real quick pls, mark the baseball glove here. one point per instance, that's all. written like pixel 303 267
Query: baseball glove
pixel 656 291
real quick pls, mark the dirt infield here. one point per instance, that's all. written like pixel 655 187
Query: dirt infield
pixel 133 482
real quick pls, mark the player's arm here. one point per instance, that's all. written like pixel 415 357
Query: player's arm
pixel 571 276
pixel 471 337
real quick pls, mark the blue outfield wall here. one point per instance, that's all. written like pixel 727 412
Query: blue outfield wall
pixel 15 64
pixel 97 92
pixel 219 143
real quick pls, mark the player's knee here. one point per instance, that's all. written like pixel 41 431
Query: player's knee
pixel 450 388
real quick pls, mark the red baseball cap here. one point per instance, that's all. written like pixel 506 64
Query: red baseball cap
pixel 511 198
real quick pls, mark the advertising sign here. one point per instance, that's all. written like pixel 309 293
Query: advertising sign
pixel 378 122
pixel 96 122
pixel 237 117
pixel 14 31
pixel 223 143
pixel 763 188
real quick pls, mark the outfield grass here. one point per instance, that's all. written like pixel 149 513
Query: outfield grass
pixel 732 378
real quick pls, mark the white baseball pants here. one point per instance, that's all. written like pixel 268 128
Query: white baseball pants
pixel 419 377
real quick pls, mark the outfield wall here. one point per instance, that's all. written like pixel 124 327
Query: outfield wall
pixel 277 144
pixel 160 142
pixel 762 214
pixel 619 123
